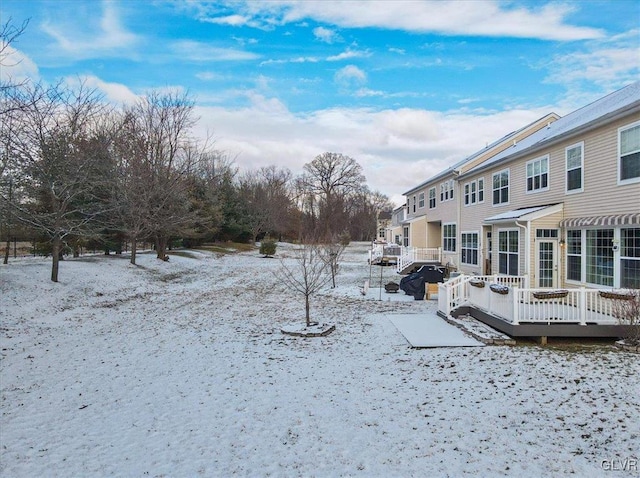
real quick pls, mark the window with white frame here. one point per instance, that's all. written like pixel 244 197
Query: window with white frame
pixel 508 255
pixel 474 192
pixel 574 255
pixel 538 174
pixel 449 237
pixel 630 258
pixel 599 257
pixel 501 187
pixel 432 198
pixel 469 248
pixel 447 190
pixel 421 200
pixel 414 204
pixel 629 145
pixel 405 236
pixel 575 169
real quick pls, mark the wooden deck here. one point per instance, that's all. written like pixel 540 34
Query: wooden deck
pixel 543 330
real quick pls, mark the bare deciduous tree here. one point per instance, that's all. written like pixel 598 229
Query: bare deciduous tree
pixel 307 275
pixel 162 127
pixel 627 310
pixel 330 178
pixel 57 156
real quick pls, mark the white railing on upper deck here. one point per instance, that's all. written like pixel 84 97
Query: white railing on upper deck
pixel 523 305
pixel 411 255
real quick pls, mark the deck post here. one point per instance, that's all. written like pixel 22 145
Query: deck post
pixel 583 306
pixel 516 309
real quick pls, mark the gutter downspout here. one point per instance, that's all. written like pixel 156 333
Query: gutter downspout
pixel 527 249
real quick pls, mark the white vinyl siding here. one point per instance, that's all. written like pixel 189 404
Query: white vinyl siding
pixel 629 153
pixel 574 160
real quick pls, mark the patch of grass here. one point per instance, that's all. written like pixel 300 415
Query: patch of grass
pixel 227 247
pixel 185 253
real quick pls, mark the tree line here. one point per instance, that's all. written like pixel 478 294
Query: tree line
pixel 75 171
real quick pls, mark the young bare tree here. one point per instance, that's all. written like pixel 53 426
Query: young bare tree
pixel 332 254
pixel 307 275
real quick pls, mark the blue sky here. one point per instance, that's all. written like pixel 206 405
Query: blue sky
pixel 404 87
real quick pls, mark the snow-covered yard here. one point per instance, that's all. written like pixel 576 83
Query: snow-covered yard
pixel 180 369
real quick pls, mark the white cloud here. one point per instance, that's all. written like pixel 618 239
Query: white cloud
pixel 115 93
pixel 610 63
pixel 208 76
pixel 233 20
pixel 398 149
pixel 347 54
pixel 90 38
pixel 15 66
pixel 326 35
pixel 479 18
pixel 349 75
pixel 203 52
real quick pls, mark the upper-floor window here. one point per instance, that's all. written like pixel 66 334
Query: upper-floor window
pixel 414 204
pixel 421 200
pixel 538 174
pixel 575 168
pixel 474 192
pixel 501 187
pixel 629 144
pixel 449 237
pixel 432 198
pixel 446 190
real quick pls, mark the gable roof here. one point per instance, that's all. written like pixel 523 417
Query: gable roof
pixel 495 147
pixel 606 109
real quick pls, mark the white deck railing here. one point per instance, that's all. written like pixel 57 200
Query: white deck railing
pixel 520 304
pixel 411 255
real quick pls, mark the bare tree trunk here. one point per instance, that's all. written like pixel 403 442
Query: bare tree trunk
pixel 6 252
pixel 161 247
pixel 134 246
pixel 55 253
pixel 307 309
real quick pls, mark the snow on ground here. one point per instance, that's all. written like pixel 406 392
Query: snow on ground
pixel 180 369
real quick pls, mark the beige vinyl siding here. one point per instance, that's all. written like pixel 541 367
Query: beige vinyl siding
pixel 418 232
pixel 602 194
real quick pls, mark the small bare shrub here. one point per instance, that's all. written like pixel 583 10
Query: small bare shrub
pixel 627 309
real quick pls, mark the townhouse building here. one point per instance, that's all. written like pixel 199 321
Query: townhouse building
pixel 557 201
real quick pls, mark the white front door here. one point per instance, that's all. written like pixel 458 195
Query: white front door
pixel 546 263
